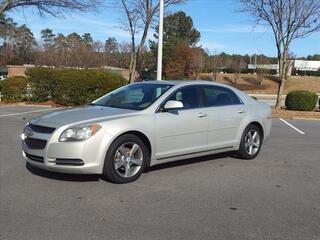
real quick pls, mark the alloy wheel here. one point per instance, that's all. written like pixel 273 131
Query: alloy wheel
pixel 252 142
pixel 128 159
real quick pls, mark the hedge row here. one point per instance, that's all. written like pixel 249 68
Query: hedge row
pixel 13 89
pixel 71 86
pixel 246 71
pixel 306 73
pixel 42 83
pixel 301 101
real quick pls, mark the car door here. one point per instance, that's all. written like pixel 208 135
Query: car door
pixel 183 131
pixel 225 113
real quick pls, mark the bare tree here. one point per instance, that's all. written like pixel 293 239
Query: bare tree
pixel 197 62
pixel 131 24
pixel 239 64
pixel 216 65
pixel 147 9
pixel 124 55
pixel 289 20
pixel 52 7
pixel 140 14
pixel 262 69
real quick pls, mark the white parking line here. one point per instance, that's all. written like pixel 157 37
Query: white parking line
pixel 15 114
pixel 290 125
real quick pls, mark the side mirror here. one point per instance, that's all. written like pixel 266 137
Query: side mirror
pixel 173 105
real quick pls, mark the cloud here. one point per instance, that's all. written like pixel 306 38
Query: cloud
pixel 100 29
pixel 236 29
pixel 213 46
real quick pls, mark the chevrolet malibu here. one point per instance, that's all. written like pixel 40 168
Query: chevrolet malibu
pixel 144 124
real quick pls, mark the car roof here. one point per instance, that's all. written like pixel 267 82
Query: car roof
pixel 184 82
pixel 180 83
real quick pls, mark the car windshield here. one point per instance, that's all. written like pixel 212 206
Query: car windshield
pixel 134 96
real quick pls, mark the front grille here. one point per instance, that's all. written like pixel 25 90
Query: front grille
pixel 33 143
pixel 68 161
pixel 35 158
pixel 41 129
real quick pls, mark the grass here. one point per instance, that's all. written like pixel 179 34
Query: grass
pixel 283 113
pixel 252 83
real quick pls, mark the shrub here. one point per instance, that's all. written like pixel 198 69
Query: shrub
pixel 301 100
pixel 306 73
pixel 77 87
pixel 247 70
pixel 71 86
pixel 42 83
pixel 13 89
pixel 228 70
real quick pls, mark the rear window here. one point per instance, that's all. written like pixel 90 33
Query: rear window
pixel 219 96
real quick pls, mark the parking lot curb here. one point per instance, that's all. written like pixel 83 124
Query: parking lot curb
pixel 25 104
pixel 311 119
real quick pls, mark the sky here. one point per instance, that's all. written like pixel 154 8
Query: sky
pixel 222 26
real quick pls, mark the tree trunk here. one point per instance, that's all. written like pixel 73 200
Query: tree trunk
pixel 215 73
pixel 280 92
pixel 132 67
pixel 141 46
pixel 236 78
pixel 149 16
pixel 263 76
pixel 197 75
pixel 282 77
pixel 5 6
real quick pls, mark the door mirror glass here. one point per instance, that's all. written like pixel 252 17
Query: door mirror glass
pixel 173 105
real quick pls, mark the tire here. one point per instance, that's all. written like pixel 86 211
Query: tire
pixel 118 168
pixel 255 142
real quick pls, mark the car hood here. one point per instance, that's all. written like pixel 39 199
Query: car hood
pixel 79 115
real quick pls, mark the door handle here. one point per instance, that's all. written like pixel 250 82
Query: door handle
pixel 201 115
pixel 241 111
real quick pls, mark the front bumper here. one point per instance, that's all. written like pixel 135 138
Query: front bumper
pixel 85 157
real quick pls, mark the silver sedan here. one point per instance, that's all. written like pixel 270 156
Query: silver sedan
pixel 145 124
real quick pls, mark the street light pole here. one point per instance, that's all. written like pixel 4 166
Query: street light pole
pixel 160 41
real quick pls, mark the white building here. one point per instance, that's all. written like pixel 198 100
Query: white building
pixel 299 65
pixel 304 65
pixel 263 66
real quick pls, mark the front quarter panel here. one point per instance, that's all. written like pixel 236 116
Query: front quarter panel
pixel 143 123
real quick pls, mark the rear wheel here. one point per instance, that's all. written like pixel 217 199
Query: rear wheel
pixel 251 142
pixel 126 159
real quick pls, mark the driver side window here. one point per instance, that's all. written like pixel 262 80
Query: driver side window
pixel 189 96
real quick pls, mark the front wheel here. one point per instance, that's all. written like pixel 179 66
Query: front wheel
pixel 126 159
pixel 251 142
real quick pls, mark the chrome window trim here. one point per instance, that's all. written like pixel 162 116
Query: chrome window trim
pixel 158 110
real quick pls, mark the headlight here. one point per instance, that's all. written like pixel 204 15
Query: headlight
pixel 79 133
pixel 26 132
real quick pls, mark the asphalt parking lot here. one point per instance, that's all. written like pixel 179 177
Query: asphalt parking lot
pixel 276 196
